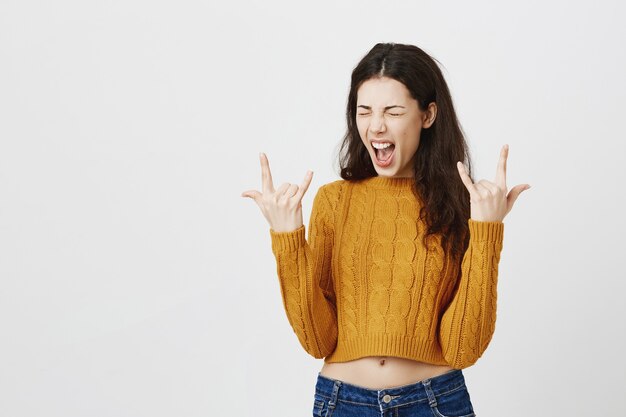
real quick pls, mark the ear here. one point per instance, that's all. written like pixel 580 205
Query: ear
pixel 429 115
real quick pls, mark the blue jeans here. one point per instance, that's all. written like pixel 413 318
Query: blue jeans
pixel 445 395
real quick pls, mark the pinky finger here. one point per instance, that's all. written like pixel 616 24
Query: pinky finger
pixel 464 177
pixel 305 184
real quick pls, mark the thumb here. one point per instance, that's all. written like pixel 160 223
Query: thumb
pixel 253 194
pixel 515 193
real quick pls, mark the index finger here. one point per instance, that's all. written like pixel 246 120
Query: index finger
pixel 267 183
pixel 501 171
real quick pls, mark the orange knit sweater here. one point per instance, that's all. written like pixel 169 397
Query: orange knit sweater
pixel 363 284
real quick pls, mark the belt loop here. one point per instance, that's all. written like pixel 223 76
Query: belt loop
pixel 333 400
pixel 432 401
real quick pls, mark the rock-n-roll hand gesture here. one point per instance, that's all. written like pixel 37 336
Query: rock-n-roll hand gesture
pixel 489 201
pixel 283 207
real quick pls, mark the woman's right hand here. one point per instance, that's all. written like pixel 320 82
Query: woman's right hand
pixel 282 207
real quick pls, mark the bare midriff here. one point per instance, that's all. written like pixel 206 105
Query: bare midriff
pixel 382 372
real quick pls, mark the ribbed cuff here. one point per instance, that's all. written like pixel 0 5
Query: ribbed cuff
pixel 287 241
pixel 486 231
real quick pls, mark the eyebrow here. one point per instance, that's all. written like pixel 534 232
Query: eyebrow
pixel 386 108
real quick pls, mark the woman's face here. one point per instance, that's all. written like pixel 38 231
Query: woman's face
pixel 386 113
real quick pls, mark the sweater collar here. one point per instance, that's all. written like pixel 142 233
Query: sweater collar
pixel 390 182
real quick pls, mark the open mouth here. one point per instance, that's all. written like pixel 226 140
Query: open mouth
pixel 383 155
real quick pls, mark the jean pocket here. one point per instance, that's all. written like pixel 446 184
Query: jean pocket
pixel 319 406
pixel 454 403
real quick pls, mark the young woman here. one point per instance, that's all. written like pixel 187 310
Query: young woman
pixel 395 286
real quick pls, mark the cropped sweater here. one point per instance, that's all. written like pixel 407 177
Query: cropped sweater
pixel 364 284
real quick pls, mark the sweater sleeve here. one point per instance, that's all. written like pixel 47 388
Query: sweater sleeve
pixel 468 323
pixel 305 277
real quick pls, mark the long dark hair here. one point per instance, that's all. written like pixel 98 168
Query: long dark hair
pixel 445 200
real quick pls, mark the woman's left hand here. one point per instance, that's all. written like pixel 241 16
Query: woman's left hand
pixel 489 201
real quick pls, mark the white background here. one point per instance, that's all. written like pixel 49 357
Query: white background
pixel 136 281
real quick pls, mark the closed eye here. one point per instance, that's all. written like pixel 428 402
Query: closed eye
pixel 392 114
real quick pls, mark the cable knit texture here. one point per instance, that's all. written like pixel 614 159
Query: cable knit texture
pixel 364 284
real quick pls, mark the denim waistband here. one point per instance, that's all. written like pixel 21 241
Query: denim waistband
pixel 424 390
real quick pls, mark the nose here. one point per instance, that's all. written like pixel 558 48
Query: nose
pixel 377 124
